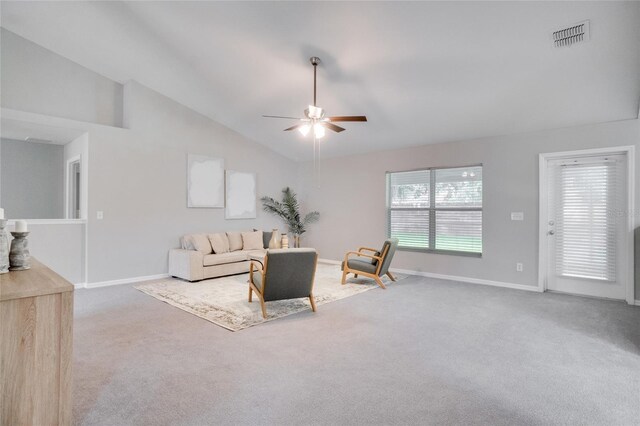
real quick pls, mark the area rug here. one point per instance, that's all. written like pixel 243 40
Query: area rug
pixel 223 301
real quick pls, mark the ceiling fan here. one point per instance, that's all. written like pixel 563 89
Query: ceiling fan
pixel 314 116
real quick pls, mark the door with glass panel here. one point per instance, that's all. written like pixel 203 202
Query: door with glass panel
pixel 585 232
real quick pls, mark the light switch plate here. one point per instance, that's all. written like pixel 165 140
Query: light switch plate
pixel 517 216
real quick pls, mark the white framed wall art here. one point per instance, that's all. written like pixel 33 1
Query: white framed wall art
pixel 241 195
pixel 205 181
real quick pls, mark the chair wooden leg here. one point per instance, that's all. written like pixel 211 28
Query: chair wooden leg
pixel 313 302
pixel 379 281
pixel 391 276
pixel 355 275
pixel 344 276
pixel 264 308
pixel 250 293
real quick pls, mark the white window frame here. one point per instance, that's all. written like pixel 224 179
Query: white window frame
pixel 629 152
pixel 432 209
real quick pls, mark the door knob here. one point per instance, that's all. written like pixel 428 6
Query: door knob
pixel 552 232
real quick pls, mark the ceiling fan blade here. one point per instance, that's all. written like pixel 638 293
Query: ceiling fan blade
pixel 348 118
pixel 280 116
pixel 333 127
pixel 297 126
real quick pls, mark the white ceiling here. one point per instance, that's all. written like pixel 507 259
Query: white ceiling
pixel 40 133
pixel 422 72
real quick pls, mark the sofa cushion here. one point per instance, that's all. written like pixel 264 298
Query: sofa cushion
pixel 256 253
pixel 266 237
pixel 222 258
pixel 198 242
pixel 361 265
pixel 219 242
pixel 252 240
pixel 235 241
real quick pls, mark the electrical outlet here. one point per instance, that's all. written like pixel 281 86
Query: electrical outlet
pixel 517 215
pixel 519 267
pixel 100 215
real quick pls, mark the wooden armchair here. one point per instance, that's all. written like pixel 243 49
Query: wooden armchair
pixel 374 265
pixel 285 274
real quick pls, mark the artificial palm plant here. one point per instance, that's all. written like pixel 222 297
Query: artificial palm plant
pixel 289 211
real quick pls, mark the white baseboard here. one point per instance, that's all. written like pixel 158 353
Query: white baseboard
pixel 637 303
pixel 125 281
pixel 452 278
pixel 79 285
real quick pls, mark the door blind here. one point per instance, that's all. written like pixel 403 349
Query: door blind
pixel 585 226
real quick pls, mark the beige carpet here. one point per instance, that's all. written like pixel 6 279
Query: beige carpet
pixel 223 301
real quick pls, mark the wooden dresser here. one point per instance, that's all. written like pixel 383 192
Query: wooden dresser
pixel 36 326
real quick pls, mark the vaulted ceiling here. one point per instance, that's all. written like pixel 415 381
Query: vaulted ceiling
pixel 422 72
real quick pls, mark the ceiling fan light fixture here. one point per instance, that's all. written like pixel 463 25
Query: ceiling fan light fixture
pixel 315 112
pixel 318 130
pixel 315 118
pixel 304 129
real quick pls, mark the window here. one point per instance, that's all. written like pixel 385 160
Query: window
pixel 436 210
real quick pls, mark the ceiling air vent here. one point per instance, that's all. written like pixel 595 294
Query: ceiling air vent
pixel 577 33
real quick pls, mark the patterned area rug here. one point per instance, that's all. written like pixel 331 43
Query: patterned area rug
pixel 224 301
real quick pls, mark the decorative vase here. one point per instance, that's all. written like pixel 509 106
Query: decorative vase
pixel 285 241
pixel 4 248
pixel 296 241
pixel 19 256
pixel 274 243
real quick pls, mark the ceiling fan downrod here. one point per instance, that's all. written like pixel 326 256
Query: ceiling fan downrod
pixel 314 61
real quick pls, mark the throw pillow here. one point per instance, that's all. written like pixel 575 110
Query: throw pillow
pixel 375 261
pixel 219 243
pixel 235 241
pixel 252 240
pixel 266 237
pixel 199 242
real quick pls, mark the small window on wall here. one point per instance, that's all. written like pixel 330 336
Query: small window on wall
pixel 436 210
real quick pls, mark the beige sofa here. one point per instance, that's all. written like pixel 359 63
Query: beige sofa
pixel 203 256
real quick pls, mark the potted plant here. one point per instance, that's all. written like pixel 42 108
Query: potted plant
pixel 289 211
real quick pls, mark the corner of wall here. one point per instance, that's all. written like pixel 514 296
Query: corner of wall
pixel 127 96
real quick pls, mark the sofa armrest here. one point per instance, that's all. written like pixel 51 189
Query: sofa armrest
pixel 186 264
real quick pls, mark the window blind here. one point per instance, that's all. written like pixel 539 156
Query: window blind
pixel 436 210
pixel 585 228
pixel 410 199
pixel 411 189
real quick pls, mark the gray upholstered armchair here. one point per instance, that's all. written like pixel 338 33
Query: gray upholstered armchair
pixel 373 265
pixel 285 274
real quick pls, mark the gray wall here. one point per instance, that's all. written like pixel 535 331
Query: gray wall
pixel 37 80
pixel 351 198
pixel 31 180
pixel 60 247
pixel 138 178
